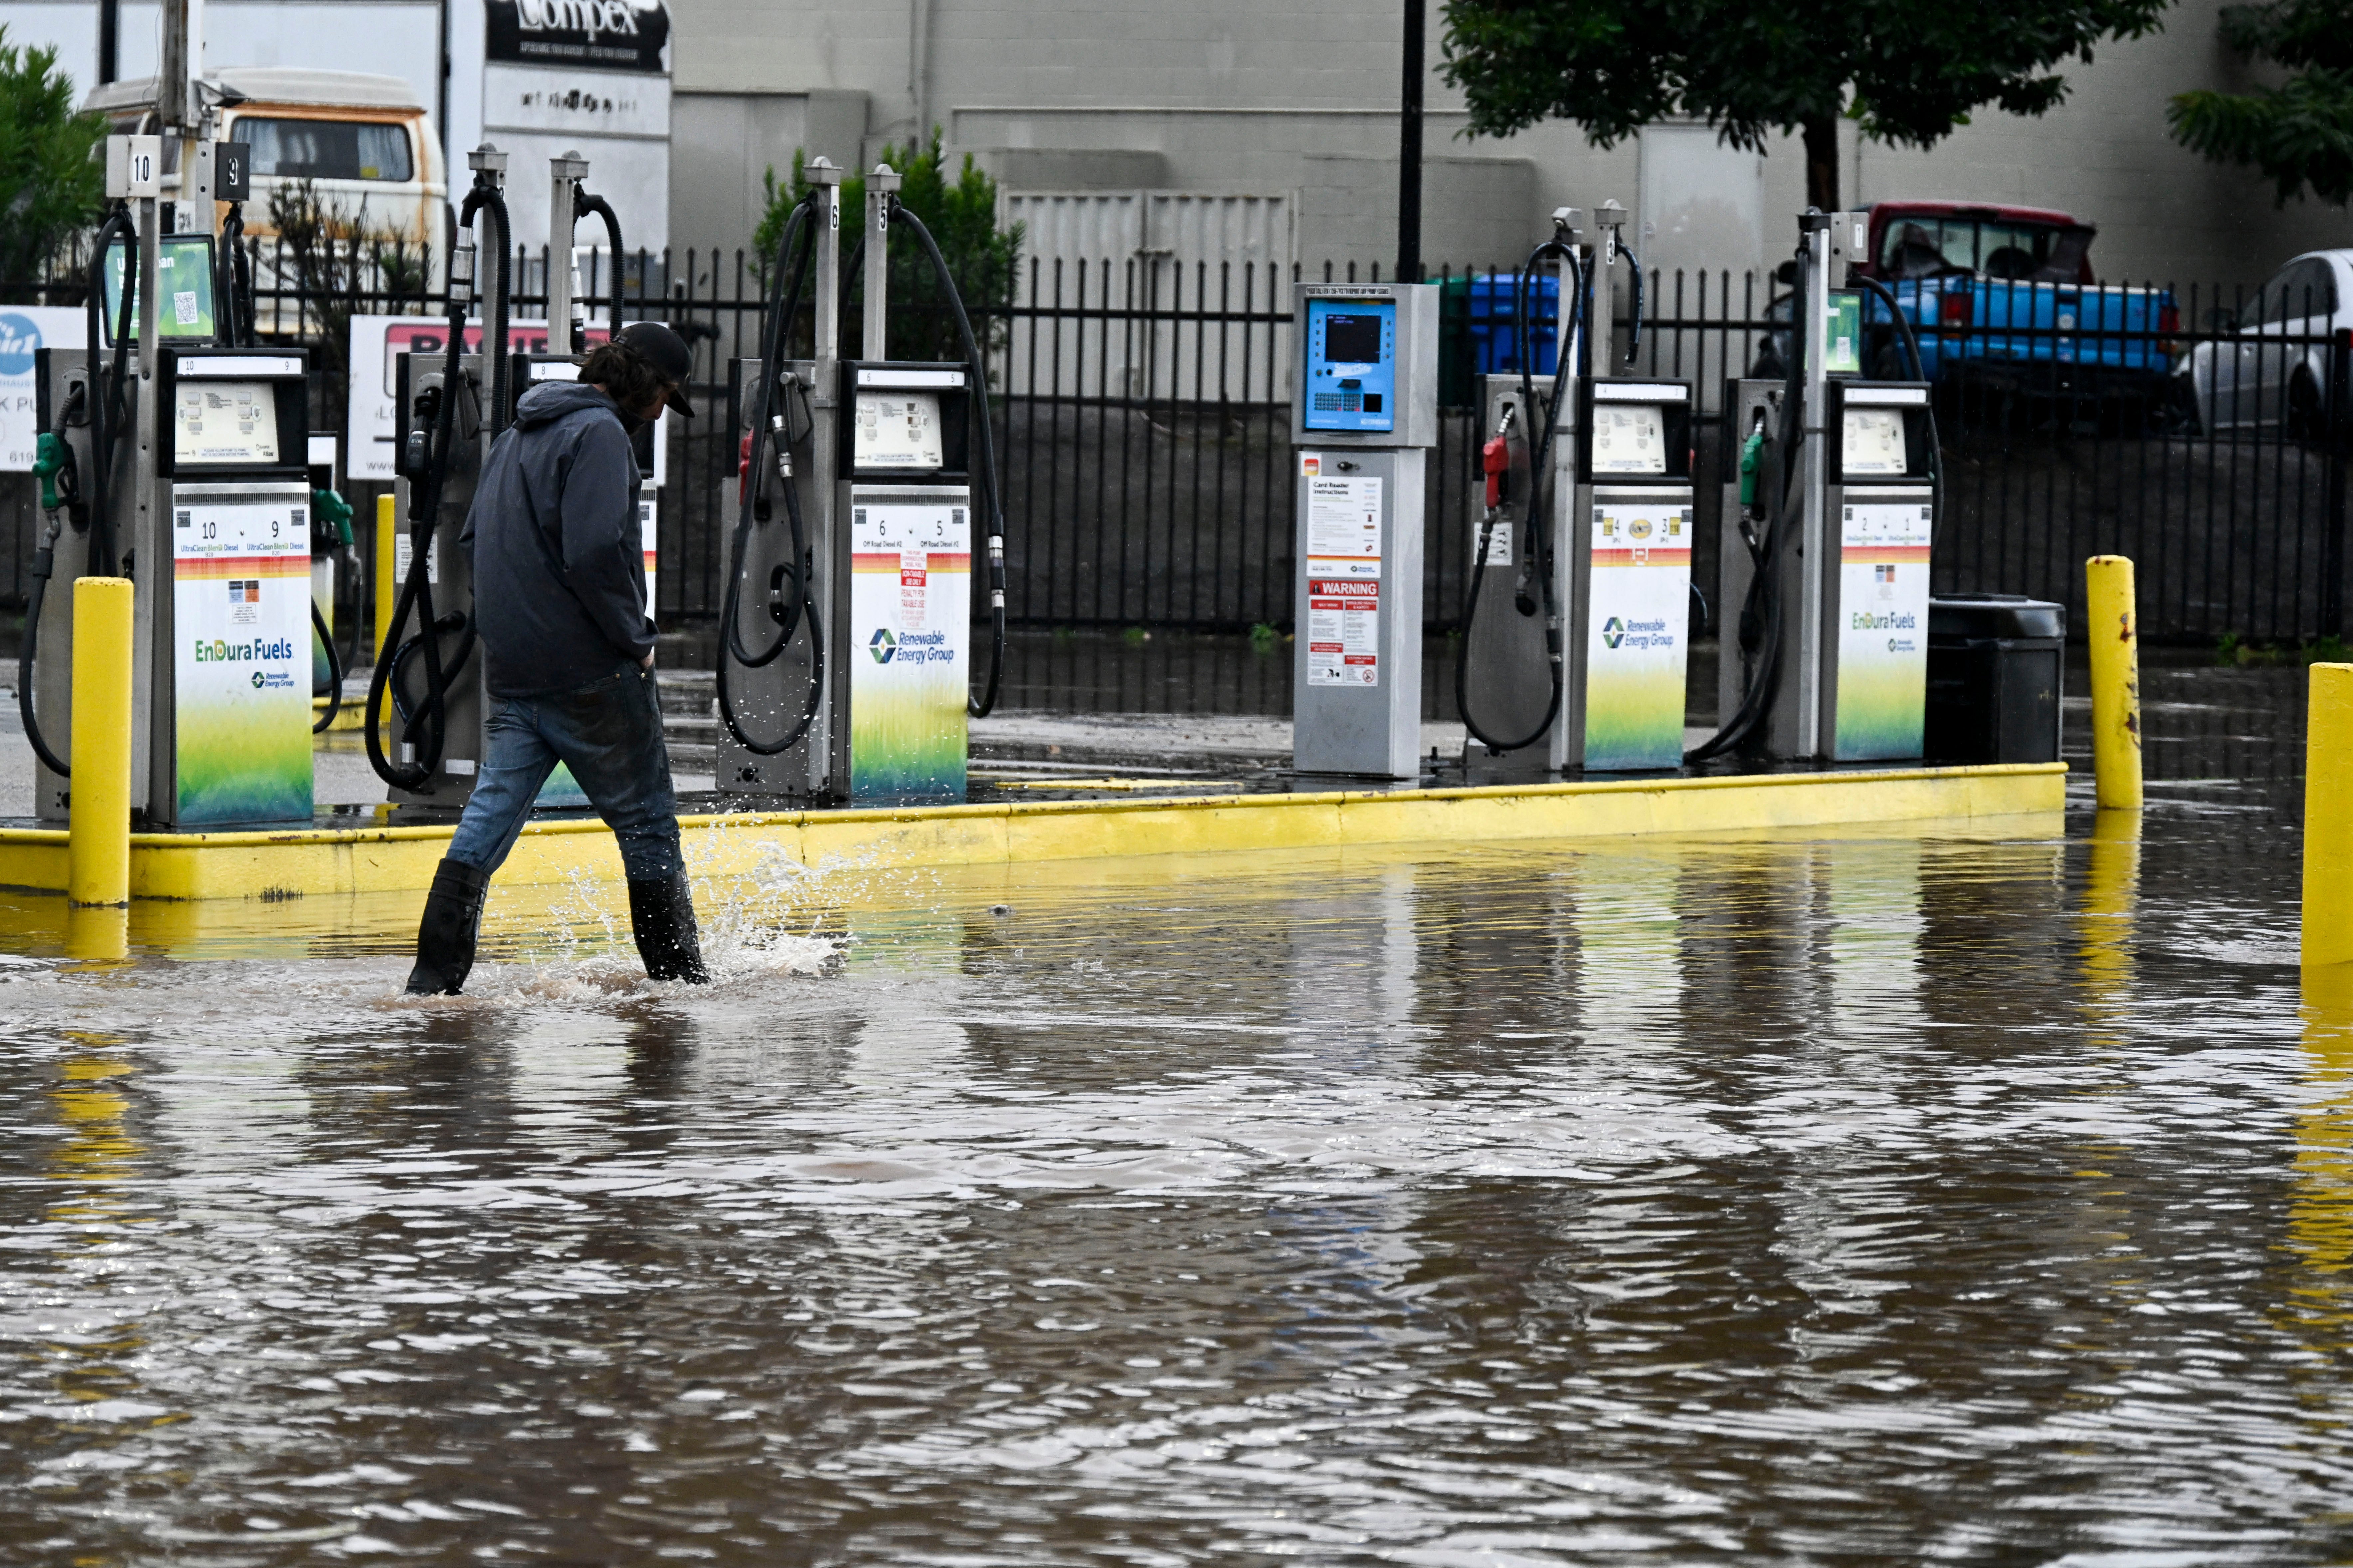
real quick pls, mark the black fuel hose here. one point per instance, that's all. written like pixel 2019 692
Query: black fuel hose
pixel 107 411
pixel 783 305
pixel 582 204
pixel 1919 372
pixel 334 692
pixel 1538 545
pixel 425 727
pixel 1762 607
pixel 486 197
pixel 1634 265
pixel 977 709
pixel 43 559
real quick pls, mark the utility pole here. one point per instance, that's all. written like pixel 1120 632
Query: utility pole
pixel 110 32
pixel 1408 251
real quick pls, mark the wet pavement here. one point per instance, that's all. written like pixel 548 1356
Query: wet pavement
pixel 1893 1198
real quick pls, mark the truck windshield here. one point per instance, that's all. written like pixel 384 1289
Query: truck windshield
pixel 1925 246
pixel 327 149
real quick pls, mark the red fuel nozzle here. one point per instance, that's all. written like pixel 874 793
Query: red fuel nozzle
pixel 742 466
pixel 1495 458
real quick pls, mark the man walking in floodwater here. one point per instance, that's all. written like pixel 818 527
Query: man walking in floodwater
pixel 568 653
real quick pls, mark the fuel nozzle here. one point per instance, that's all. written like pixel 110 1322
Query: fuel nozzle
pixel 1752 459
pixel 51 457
pixel 1495 461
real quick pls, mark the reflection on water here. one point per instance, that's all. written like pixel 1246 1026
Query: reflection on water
pixel 1877 1200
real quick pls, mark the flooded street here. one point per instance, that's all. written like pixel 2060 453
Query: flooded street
pixel 1888 1198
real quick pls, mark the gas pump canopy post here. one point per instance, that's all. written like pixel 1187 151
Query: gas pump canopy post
pixel 1364 417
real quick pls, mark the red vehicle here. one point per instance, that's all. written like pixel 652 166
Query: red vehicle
pixel 1930 240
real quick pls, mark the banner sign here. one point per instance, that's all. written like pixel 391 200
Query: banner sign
pixel 911 615
pixel 606 35
pixel 240 666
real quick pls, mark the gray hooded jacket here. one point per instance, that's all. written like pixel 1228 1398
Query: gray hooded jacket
pixel 559 568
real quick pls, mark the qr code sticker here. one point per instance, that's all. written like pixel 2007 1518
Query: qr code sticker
pixel 183 307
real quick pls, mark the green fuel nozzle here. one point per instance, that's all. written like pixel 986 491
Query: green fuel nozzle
pixel 49 455
pixel 1752 460
pixel 329 507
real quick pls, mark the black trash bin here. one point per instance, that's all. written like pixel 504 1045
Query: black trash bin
pixel 1995 664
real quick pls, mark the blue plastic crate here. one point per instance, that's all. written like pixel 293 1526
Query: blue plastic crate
pixel 1495 331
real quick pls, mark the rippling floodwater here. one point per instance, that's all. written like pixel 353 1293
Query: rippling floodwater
pixel 1890 1199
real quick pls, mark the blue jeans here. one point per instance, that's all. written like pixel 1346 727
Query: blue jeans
pixel 609 732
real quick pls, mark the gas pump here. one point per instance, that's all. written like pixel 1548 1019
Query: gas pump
pixel 1512 663
pixel 433 683
pixel 845 637
pixel 1604 549
pixel 1364 417
pixel 175 457
pixel 451 406
pixel 1832 504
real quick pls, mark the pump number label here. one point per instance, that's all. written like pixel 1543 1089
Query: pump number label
pixel 1344 632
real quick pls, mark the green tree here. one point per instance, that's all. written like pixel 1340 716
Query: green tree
pixel 2300 134
pixel 50 186
pixel 961 214
pixel 1907 71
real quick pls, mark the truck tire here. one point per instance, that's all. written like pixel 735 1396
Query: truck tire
pixel 2308 414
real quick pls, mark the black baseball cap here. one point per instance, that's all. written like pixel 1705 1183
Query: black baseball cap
pixel 668 354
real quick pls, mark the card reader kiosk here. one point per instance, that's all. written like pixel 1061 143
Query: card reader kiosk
pixel 1364 417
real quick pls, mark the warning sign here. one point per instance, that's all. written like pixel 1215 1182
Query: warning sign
pixel 1344 631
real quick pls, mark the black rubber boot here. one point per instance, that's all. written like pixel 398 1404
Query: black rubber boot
pixel 661 915
pixel 446 936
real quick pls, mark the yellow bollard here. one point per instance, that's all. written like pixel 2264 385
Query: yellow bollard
pixel 98 809
pixel 2114 636
pixel 388 591
pixel 2328 817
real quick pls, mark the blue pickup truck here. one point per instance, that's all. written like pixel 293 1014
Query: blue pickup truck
pixel 2004 298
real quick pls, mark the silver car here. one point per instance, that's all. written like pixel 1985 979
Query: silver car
pixel 2272 368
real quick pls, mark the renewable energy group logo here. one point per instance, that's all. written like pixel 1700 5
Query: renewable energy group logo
pixel 883 644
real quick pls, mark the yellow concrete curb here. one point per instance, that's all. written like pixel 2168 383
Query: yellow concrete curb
pixel 296 863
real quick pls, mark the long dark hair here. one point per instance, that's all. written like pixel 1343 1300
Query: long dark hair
pixel 625 373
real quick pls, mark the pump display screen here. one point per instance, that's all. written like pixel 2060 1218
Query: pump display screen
pixel 1872 442
pixel 1628 439
pixel 898 430
pixel 1351 371
pixel 225 422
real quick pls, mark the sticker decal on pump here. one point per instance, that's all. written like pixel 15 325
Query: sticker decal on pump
pixel 1882 643
pixel 1635 644
pixel 1344 632
pixel 1343 527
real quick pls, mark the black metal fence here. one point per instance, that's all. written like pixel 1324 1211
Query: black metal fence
pixel 1143 423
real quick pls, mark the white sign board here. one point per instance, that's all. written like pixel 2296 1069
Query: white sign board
pixel 376 344
pixel 23 330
